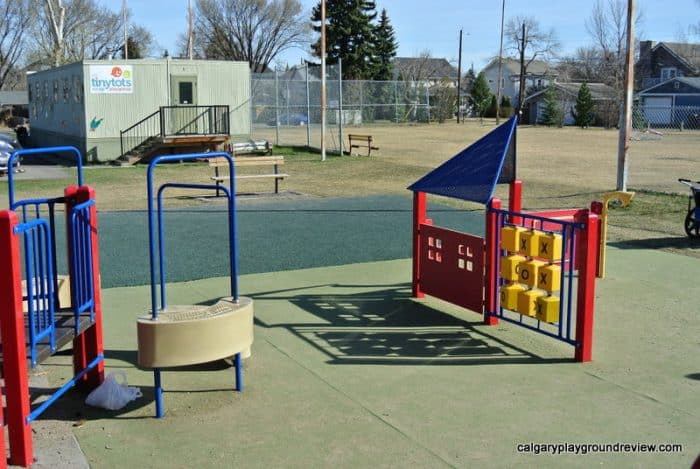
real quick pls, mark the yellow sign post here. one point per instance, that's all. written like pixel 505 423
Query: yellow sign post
pixel 624 198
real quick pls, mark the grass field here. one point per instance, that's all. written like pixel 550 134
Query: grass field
pixel 561 168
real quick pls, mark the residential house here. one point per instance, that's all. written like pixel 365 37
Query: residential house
pixel 429 70
pixel 665 60
pixel 605 108
pixel 537 76
pixel 672 103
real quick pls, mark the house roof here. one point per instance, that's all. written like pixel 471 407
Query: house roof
pixel 685 52
pixel 536 67
pixel 599 91
pixel 430 68
pixel 692 82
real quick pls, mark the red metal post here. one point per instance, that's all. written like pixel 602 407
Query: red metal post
pixel 597 208
pixel 14 344
pixel 585 294
pixel 88 345
pixel 515 196
pixel 491 261
pixel 420 209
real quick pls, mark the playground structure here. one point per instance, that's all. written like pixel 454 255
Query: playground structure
pixel 37 315
pixel 523 270
pixel 191 334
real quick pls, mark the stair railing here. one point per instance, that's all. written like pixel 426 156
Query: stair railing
pixel 137 134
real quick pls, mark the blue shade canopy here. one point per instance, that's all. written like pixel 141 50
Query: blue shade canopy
pixel 473 173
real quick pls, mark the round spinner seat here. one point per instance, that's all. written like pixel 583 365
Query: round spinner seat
pixel 192 334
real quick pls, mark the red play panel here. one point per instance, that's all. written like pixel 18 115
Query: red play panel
pixel 452 266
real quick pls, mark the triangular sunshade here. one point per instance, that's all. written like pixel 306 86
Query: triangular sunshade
pixel 473 173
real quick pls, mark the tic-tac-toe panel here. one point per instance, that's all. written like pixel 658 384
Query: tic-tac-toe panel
pixel 452 266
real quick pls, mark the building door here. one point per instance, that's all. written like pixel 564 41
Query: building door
pixel 657 110
pixel 181 118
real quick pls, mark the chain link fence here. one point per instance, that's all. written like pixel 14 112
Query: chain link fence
pixel 646 116
pixel 286 106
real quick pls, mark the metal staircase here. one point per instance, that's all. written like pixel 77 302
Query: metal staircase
pixel 174 129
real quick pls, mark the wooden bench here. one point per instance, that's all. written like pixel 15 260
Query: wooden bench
pixel 239 161
pixel 251 146
pixel 365 141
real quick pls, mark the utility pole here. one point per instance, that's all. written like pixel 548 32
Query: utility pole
pixel 323 80
pixel 190 32
pixel 500 67
pixel 626 128
pixel 459 80
pixel 521 89
pixel 126 30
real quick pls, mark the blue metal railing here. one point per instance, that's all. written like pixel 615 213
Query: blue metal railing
pixel 155 225
pixel 41 151
pixel 564 329
pixel 40 284
pixel 82 285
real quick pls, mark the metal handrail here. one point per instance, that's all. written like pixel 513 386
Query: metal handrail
pixel 139 124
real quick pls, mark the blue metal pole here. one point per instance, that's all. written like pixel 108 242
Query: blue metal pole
pixel 158 390
pixel 239 372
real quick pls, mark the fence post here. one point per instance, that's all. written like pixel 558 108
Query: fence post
pixel 308 110
pixel 419 217
pixel 427 101
pixel 585 294
pixel 277 108
pixel 396 101
pixel 14 344
pixel 491 261
pixel 340 105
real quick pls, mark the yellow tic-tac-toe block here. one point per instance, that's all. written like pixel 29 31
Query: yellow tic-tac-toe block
pixel 527 302
pixel 549 278
pixel 548 308
pixel 509 267
pixel 510 237
pixel 527 272
pixel 529 243
pixel 509 296
pixel 549 247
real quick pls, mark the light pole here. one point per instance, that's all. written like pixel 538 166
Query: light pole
pixel 323 80
pixel 500 67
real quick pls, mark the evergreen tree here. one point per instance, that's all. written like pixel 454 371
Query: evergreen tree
pixel 551 114
pixel 349 35
pixel 385 46
pixel 480 94
pixel 583 110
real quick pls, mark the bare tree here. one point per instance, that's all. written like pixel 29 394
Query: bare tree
pixel 13 28
pixel 255 31
pixel 72 30
pixel 607 26
pixel 531 42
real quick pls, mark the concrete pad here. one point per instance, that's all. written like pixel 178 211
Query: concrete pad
pixel 347 370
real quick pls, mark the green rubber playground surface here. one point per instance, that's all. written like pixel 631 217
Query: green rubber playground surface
pixel 348 371
pixel 273 235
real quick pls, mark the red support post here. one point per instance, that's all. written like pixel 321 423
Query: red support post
pixel 420 210
pixel 3 459
pixel 14 344
pixel 597 208
pixel 585 294
pixel 88 345
pixel 491 283
pixel 515 196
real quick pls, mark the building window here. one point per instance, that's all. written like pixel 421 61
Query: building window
pixel 66 90
pixel 78 88
pixel 55 91
pixel 676 85
pixel 668 72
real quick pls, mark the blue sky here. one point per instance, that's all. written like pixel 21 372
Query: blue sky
pixel 424 25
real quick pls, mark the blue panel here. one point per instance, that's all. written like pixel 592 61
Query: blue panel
pixel 473 173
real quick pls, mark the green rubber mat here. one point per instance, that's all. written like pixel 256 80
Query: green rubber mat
pixel 273 235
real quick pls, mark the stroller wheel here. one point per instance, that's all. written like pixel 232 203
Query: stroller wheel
pixel 692 225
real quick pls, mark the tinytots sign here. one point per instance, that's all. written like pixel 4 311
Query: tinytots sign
pixel 111 79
